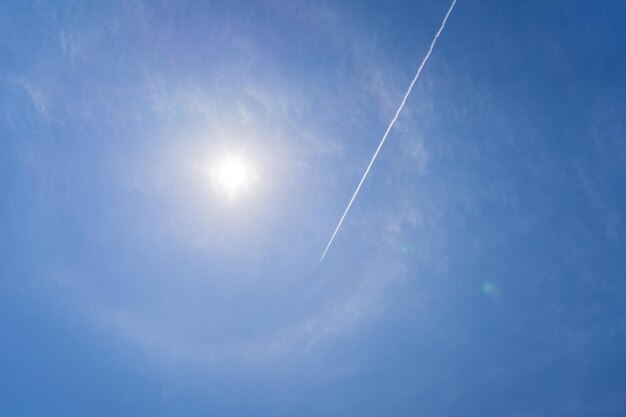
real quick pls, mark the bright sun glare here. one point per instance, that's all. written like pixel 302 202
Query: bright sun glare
pixel 233 175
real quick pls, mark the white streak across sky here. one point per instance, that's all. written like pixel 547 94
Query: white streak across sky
pixel 393 121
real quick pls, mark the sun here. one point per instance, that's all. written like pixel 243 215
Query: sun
pixel 233 175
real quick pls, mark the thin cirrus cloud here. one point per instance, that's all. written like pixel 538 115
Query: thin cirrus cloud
pixel 486 245
pixel 163 175
pixel 389 127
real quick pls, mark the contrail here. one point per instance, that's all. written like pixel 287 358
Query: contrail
pixel 393 121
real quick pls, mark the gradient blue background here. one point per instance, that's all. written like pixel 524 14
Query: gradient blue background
pixel 481 272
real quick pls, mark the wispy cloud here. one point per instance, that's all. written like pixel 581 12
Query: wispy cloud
pixel 391 124
pixel 37 96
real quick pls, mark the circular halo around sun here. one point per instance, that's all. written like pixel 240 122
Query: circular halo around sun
pixel 233 175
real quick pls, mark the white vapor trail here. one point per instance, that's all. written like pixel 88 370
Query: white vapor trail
pixel 393 121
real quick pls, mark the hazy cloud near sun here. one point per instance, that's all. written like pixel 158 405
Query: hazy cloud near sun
pixel 167 129
pixel 171 172
pixel 290 128
pixel 293 127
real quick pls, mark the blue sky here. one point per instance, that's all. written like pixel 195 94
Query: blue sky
pixel 480 272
